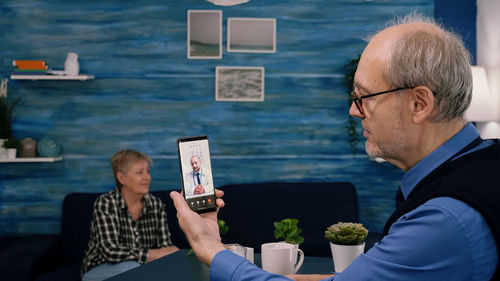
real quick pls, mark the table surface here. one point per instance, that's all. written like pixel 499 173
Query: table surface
pixel 178 266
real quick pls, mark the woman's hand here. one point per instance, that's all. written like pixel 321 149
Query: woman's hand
pixel 154 254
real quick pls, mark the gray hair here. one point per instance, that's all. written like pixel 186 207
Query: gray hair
pixel 436 59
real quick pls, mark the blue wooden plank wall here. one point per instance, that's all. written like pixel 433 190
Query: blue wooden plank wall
pixel 147 93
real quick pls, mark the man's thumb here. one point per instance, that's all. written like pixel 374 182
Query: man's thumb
pixel 179 202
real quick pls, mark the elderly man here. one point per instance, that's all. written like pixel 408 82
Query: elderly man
pixel 411 90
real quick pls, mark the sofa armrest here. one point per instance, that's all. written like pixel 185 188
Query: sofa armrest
pixel 48 261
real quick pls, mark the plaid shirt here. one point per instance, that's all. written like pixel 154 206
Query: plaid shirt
pixel 116 237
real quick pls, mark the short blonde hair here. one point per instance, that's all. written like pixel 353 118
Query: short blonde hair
pixel 122 159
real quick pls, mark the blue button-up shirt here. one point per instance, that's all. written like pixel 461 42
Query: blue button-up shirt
pixel 443 239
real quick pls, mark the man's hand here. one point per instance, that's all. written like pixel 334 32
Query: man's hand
pixel 309 277
pixel 154 254
pixel 202 230
pixel 199 189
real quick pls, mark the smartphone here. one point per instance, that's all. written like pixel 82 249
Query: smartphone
pixel 196 173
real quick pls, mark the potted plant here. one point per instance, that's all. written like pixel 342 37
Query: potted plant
pixel 289 231
pixel 12 145
pixel 6 110
pixel 352 124
pixel 347 242
pixel 223 228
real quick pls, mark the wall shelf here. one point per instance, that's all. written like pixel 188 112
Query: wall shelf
pixel 32 160
pixel 80 77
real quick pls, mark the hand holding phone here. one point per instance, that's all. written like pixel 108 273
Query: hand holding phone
pixel 196 173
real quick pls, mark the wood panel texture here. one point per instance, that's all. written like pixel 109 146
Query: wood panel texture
pixel 146 94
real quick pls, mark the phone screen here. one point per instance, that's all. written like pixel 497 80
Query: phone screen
pixel 196 173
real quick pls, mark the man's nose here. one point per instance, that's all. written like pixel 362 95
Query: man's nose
pixel 354 111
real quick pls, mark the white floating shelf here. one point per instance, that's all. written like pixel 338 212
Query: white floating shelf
pixel 31 160
pixel 52 77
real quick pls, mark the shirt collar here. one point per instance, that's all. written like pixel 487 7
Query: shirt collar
pixel 123 205
pixel 117 194
pixel 437 157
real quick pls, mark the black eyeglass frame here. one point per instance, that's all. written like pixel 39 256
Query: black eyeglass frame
pixel 359 103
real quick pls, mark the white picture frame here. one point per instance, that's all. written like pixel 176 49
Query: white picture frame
pixel 239 83
pixel 204 34
pixel 251 35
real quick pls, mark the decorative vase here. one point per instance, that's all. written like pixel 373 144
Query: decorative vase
pixel 344 255
pixel 11 153
pixel 71 65
pixel 28 148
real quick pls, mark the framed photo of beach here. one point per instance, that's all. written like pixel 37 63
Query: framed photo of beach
pixel 243 83
pixel 251 35
pixel 204 34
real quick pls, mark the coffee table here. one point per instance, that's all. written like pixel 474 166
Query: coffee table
pixel 179 267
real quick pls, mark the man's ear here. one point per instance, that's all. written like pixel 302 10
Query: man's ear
pixel 422 105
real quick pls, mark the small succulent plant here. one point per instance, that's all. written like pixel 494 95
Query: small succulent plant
pixel 346 233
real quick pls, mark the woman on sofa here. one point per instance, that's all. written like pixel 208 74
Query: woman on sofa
pixel 129 225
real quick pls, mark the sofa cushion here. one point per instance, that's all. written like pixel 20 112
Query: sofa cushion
pixel 69 272
pixel 75 227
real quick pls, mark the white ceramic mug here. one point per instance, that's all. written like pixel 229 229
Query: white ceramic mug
pixel 279 258
pixel 250 254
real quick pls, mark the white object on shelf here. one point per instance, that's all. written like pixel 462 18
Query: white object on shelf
pixel 31 160
pixel 52 77
pixel 11 153
pixel 71 65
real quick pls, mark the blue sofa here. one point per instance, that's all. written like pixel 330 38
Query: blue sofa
pixel 250 212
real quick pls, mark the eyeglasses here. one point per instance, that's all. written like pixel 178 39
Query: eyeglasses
pixel 358 101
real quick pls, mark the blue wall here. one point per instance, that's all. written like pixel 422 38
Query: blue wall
pixel 147 93
pixel 459 16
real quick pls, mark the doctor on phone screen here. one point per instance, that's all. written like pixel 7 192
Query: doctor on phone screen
pixel 197 180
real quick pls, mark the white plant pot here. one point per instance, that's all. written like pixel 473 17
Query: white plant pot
pixel 344 255
pixel 3 151
pixel 11 153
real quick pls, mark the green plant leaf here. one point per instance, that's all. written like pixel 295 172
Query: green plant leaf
pixel 7 109
pixel 348 81
pixel 223 228
pixel 288 230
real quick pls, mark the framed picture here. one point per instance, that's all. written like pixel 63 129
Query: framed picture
pixel 204 34
pixel 239 83
pixel 251 35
